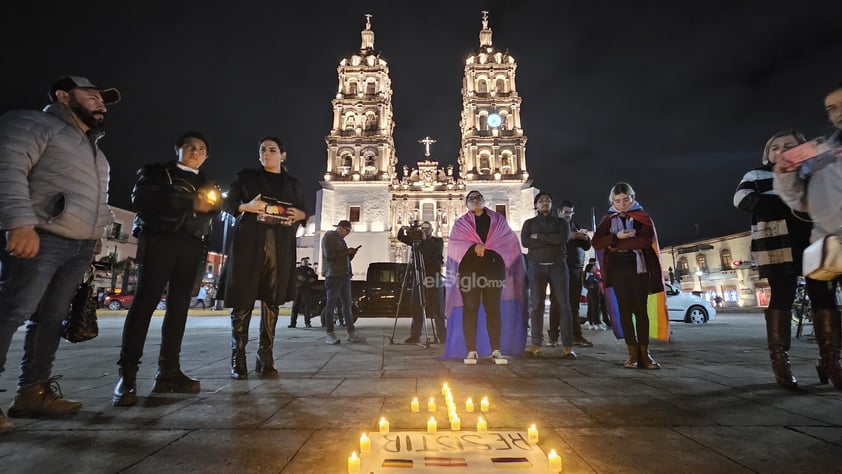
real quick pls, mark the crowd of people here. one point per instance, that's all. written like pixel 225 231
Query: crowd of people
pixel 54 210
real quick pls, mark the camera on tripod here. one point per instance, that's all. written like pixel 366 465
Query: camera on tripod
pixel 414 231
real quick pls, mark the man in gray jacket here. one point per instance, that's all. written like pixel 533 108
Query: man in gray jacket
pixel 53 211
pixel 337 272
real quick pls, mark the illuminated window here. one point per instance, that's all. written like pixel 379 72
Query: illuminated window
pixel 683 266
pixel 725 259
pixel 428 212
pixel 702 262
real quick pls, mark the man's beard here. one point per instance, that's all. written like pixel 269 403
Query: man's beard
pixel 87 116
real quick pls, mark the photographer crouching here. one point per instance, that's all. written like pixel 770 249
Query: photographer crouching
pixel 421 239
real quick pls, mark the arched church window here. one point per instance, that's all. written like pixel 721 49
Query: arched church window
pixel 370 166
pixel 346 163
pixel 506 163
pixel 370 88
pixel 349 122
pixel 483 122
pixel 482 86
pixel 370 121
pixel 352 88
pixel 484 164
pixel 501 85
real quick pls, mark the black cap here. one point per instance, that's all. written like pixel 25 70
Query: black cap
pixel 110 95
pixel 345 224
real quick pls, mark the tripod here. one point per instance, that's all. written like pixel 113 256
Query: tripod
pixel 418 274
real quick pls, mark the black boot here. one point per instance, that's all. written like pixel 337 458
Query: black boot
pixel 173 380
pixel 778 334
pixel 265 363
pixel 634 357
pixel 646 360
pixel 239 338
pixel 826 322
pixel 125 392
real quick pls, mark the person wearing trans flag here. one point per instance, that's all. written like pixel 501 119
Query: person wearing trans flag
pixel 486 292
pixel 629 255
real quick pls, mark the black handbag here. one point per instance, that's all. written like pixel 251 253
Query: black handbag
pixel 81 324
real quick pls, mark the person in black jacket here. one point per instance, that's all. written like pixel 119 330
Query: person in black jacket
pixel 431 249
pixel 305 276
pixel 267 203
pixel 175 205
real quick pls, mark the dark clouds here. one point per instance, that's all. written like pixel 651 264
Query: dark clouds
pixel 677 99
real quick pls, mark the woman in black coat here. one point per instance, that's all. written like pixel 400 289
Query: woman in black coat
pixel 267 203
pixel 778 239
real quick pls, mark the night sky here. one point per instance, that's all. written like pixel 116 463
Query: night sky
pixel 676 98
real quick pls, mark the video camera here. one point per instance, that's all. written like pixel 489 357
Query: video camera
pixel 414 231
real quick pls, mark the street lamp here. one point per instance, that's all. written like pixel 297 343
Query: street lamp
pixel 699 274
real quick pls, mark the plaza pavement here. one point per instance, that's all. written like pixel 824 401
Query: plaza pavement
pixel 713 408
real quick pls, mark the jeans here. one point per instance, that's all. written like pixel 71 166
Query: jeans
pixel 539 277
pixel 338 289
pixel 39 290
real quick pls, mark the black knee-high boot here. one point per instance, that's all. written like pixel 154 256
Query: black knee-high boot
pixel 265 364
pixel 826 323
pixel 240 319
pixel 778 334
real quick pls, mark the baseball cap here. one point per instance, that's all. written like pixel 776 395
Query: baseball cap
pixel 110 95
pixel 344 223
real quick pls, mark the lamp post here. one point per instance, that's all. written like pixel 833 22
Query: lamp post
pixel 699 274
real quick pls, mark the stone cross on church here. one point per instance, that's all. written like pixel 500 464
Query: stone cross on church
pixel 427 141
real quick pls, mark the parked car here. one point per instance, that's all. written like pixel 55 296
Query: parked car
pixel 115 301
pixel 687 307
pixel 118 301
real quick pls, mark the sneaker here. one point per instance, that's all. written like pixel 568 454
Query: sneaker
pixel 42 399
pixel 354 336
pixel 331 339
pixel 602 327
pixel 471 358
pixel 533 350
pixel 581 341
pixel 5 423
pixel 498 358
pixel 568 354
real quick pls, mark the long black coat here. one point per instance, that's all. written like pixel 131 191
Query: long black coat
pixel 245 257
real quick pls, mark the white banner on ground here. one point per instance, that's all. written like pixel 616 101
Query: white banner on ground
pixel 453 452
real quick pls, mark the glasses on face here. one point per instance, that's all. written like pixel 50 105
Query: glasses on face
pixel 475 198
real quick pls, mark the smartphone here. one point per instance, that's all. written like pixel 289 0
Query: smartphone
pixel 802 152
pixel 358 246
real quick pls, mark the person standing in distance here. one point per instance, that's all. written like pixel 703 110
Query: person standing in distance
pixel 337 272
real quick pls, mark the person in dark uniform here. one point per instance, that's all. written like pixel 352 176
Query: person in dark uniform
pixel 267 203
pixel 175 204
pixel 305 276
pixel 431 249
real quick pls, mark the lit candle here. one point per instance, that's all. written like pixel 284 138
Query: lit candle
pixel 482 425
pixel 555 461
pixel 445 389
pixel 414 405
pixel 384 426
pixel 432 425
pixel 452 415
pixel 431 405
pixel 483 404
pixel 365 444
pixel 353 464
pixel 455 424
pixel 533 434
pixel 469 405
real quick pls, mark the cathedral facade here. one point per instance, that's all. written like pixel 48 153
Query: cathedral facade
pixel 365 183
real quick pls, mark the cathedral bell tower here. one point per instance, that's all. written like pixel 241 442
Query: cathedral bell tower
pixel 360 146
pixel 493 142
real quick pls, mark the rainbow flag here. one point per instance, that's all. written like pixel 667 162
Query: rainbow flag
pixel 401 463
pixel 511 463
pixel 430 461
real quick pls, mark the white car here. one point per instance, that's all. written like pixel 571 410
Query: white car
pixel 687 307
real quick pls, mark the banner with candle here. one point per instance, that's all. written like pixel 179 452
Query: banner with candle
pixel 459 451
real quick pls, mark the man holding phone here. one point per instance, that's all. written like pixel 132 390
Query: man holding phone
pixel 337 272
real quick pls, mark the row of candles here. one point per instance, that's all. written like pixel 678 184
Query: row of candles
pixel 455 425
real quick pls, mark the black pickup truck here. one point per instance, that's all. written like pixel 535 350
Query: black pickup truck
pixel 375 297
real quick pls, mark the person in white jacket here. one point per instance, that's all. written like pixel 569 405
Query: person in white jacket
pixel 814 186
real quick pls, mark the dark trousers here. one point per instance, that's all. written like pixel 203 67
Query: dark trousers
pixel 783 291
pixel 632 290
pixel 575 289
pixel 432 293
pixel 302 303
pixel 556 276
pixel 162 259
pixel 593 306
pixel 489 297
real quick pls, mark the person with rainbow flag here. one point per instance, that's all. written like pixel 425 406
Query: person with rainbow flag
pixel 629 255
